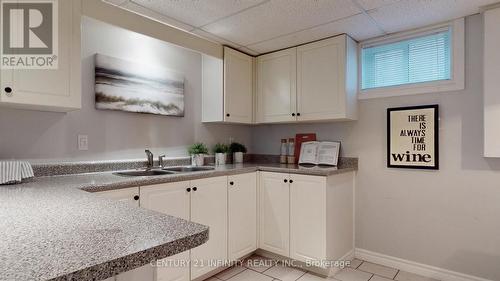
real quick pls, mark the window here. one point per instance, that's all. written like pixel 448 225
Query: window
pixel 429 60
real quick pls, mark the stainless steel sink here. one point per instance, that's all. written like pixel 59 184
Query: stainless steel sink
pixel 187 169
pixel 143 173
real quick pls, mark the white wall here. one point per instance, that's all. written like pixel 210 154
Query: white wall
pixel 448 218
pixel 115 135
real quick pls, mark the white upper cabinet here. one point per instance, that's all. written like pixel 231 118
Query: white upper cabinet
pixel 276 87
pixel 242 215
pixel 228 88
pixel 50 89
pixel 312 82
pixel 238 87
pixel 491 83
pixel 327 80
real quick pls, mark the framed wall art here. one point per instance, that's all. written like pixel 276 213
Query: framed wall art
pixel 413 137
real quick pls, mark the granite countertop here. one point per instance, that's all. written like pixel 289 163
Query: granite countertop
pixel 52 229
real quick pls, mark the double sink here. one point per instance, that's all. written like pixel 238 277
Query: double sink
pixel 164 171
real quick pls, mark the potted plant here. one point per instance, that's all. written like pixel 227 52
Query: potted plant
pixel 197 152
pixel 237 149
pixel 220 151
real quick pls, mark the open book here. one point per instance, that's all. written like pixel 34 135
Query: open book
pixel 320 153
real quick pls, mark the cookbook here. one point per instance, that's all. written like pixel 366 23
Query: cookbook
pixel 320 153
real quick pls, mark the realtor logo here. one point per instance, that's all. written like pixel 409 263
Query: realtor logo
pixel 29 34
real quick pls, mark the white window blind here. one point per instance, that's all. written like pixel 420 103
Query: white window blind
pixel 416 60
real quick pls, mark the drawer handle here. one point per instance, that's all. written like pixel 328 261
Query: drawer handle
pixel 136 197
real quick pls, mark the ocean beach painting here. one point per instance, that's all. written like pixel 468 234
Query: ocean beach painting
pixel 129 86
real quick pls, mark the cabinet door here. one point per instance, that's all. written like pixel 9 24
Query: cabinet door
pixel 209 207
pixel 144 273
pixel 491 62
pixel 172 199
pixel 274 213
pixel 128 195
pixel 276 87
pixel 321 80
pixel 242 213
pixel 307 217
pixel 55 89
pixel 238 86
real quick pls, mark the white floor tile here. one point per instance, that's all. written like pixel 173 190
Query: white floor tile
pixel 355 263
pixel 250 275
pixel 406 276
pixel 379 278
pixel 312 277
pixel 230 272
pixel 377 269
pixel 284 273
pixel 258 263
pixel 348 274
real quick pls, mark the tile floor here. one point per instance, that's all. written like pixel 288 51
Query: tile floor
pixel 358 271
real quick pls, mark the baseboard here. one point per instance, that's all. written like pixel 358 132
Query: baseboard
pixel 415 267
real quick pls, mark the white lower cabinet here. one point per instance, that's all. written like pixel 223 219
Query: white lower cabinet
pixel 172 199
pixel 274 213
pixel 307 217
pixel 242 215
pixel 209 207
pixel 128 195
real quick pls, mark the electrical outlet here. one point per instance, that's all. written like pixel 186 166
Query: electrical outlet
pixel 83 142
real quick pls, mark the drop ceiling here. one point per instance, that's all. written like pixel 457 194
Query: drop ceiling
pixel 261 26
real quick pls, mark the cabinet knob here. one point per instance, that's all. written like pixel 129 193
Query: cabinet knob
pixel 231 183
pixel 188 189
pixel 227 115
pixel 8 90
pixel 136 197
pixel 195 188
pixel 293 114
pixel 291 181
pixel 285 180
pixel 298 114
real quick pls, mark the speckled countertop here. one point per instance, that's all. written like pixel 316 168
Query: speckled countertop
pixel 52 229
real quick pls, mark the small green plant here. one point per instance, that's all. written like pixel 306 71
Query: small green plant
pixel 221 148
pixel 237 147
pixel 198 148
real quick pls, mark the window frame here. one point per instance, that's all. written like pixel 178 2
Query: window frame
pixel 455 83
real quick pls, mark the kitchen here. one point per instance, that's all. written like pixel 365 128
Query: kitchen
pixel 252 74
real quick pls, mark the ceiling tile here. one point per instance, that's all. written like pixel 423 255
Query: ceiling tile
pixel 280 17
pixel 359 27
pixel 197 12
pixel 372 4
pixel 156 16
pixel 409 14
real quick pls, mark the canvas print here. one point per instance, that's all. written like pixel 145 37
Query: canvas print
pixel 128 86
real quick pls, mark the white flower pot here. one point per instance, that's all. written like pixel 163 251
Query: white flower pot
pixel 238 157
pixel 197 159
pixel 220 159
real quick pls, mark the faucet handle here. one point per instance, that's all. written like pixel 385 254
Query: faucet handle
pixel 160 160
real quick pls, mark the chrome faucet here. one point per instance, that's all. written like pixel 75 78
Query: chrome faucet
pixel 150 160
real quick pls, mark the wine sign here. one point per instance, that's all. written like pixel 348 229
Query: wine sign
pixel 413 137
